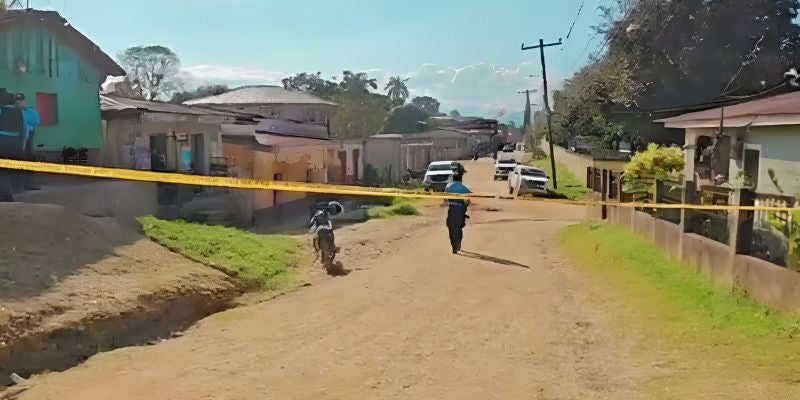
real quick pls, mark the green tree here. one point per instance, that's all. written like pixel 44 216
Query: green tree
pixel 152 70
pixel 404 119
pixel 692 52
pixel 427 104
pixel 358 83
pixel 659 162
pixel 397 90
pixel 314 84
pixel 200 92
pixel 455 113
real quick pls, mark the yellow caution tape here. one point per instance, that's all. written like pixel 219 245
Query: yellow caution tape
pixel 243 183
pixel 216 181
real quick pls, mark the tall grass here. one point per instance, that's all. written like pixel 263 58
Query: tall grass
pixel 259 262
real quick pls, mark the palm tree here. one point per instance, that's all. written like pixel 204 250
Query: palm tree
pixel 397 90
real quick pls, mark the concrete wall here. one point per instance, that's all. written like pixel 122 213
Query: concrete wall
pixel 667 236
pixel 769 283
pixel 101 198
pixel 780 151
pixel 709 257
pixel 383 152
pixel 643 224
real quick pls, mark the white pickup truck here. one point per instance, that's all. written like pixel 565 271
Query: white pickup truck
pixel 528 180
pixel 440 174
pixel 503 167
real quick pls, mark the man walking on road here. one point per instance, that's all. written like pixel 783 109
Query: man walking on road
pixel 457 211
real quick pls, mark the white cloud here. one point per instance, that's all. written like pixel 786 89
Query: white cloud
pixel 477 89
pixel 481 88
pixel 207 74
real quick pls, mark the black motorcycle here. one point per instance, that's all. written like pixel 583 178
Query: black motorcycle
pixel 322 228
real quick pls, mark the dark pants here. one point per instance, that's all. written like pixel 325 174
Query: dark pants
pixel 456 220
pixel 27 176
pixel 456 235
pixel 10 148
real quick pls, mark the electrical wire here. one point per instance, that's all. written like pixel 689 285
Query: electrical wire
pixel 576 18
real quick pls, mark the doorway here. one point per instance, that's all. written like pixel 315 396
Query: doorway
pixel 276 177
pixel 356 157
pixel 198 154
pixel 158 152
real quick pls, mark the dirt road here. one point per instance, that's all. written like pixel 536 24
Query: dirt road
pixel 508 319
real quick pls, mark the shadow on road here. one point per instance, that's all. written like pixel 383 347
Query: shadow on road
pixel 338 269
pixel 495 260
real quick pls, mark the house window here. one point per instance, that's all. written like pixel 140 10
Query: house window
pixel 47 107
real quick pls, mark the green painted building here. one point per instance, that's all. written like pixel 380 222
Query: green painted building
pixel 60 72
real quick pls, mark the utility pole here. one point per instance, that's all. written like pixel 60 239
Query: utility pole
pixel 527 121
pixel 541 47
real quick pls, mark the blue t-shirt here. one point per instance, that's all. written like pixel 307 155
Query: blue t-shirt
pixel 457 188
pixel 31 119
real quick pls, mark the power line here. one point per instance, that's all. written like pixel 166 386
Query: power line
pixel 585 48
pixel 576 18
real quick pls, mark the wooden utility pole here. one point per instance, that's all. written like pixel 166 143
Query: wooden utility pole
pixel 541 47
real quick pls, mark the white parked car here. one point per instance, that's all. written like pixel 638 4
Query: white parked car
pixel 528 180
pixel 440 174
pixel 503 167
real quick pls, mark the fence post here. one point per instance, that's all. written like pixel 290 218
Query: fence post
pixel 589 177
pixel 603 196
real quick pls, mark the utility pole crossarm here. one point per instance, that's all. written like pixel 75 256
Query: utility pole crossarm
pixel 540 45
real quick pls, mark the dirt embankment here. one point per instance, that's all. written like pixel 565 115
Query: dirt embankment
pixel 72 286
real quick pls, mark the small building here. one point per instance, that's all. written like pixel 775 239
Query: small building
pixel 59 71
pixel 146 135
pixel 276 150
pixel 290 142
pixel 273 102
pixel 394 153
pixel 746 154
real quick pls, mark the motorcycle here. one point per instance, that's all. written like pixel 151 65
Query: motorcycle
pixel 322 228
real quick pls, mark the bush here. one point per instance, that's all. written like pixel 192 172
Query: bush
pixel 400 207
pixel 658 162
pixel 377 176
pixel 538 154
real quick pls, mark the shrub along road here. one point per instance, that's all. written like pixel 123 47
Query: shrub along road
pixel 511 318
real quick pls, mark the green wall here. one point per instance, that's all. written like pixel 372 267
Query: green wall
pixel 53 68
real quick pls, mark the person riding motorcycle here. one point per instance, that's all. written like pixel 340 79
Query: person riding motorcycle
pixel 321 221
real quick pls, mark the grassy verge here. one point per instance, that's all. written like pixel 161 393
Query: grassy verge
pixel 668 300
pixel 569 185
pixel 399 207
pixel 259 262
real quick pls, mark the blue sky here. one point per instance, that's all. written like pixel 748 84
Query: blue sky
pixel 464 52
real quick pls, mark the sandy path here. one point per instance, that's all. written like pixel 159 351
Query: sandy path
pixel 509 320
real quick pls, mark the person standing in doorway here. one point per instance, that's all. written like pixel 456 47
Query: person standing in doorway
pixel 457 211
pixel 31 121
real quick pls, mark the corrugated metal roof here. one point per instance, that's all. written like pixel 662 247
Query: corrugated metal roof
pixel 772 110
pixel 70 36
pixel 257 95
pixel 286 127
pixel 434 134
pixel 119 103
